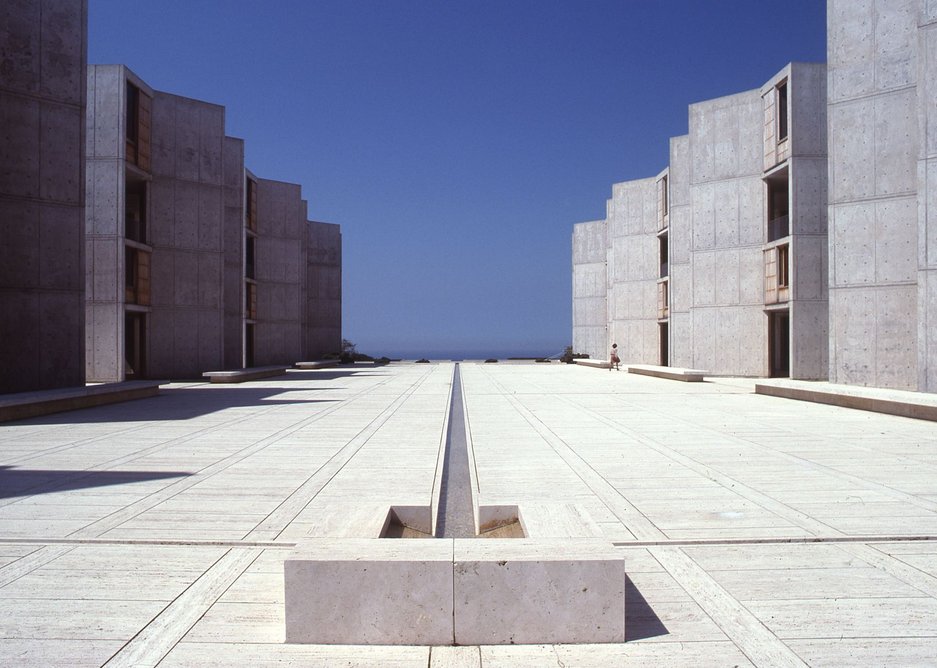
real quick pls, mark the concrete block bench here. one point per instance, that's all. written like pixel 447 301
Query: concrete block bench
pixel 918 405
pixel 318 364
pixel 454 591
pixel 242 375
pixel 668 372
pixel 33 404
pixel 598 364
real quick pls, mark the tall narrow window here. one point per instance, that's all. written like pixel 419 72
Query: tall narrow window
pixel 664 195
pixel 251 242
pixel 784 275
pixel 251 204
pixel 782 111
pixel 132 122
pixel 135 211
pixel 664 254
pixel 137 123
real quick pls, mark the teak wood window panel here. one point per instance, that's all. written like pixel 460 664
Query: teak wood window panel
pixel 138 125
pixel 251 204
pixel 137 272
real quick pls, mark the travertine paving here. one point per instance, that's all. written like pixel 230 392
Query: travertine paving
pixel 756 530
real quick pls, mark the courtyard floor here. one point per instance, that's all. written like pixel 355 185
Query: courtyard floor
pixel 755 530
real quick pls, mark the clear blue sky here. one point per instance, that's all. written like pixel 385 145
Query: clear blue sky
pixel 456 142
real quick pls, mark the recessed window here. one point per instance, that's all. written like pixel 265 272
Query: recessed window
pixel 663 255
pixel 784 274
pixel 251 205
pixel 251 243
pixel 782 110
pixel 135 211
pixel 778 206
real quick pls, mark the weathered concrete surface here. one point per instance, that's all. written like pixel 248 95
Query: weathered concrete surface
pixel 590 300
pixel 42 175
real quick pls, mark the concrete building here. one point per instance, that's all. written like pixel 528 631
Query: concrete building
pixel 194 263
pixel 717 262
pixel 43 49
pixel 883 193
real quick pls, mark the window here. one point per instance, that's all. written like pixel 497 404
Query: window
pixel 663 254
pixel 783 266
pixel 136 277
pixel 251 242
pixel 135 211
pixel 137 121
pixel 778 206
pixel 250 301
pixel 781 100
pixel 251 206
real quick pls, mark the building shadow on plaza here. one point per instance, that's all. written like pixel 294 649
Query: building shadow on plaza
pixel 16 481
pixel 640 619
pixel 185 403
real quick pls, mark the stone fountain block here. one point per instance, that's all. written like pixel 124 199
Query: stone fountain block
pixel 462 591
pixel 538 591
pixel 362 591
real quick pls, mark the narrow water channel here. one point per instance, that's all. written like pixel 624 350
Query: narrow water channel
pixel 456 518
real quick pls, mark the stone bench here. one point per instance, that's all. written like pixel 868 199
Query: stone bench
pixel 44 402
pixel 598 364
pixel 318 364
pixel 242 375
pixel 893 402
pixel 668 372
pixel 454 591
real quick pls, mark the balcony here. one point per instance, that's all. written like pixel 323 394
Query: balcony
pixel 778 228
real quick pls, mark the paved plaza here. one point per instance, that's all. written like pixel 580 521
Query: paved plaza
pixel 755 530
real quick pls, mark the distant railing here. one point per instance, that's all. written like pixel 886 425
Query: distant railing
pixel 778 228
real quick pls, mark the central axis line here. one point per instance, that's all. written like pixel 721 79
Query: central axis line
pixel 456 518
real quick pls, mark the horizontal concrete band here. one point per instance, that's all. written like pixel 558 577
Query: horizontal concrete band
pixel 454 591
pixel 892 402
pixel 242 375
pixel 34 404
pixel 669 372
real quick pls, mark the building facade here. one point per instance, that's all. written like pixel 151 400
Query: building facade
pixel 43 48
pixel 195 264
pixel 716 262
pixel 830 205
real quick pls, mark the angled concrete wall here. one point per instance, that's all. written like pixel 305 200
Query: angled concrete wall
pixel 680 236
pixel 104 238
pixel 280 271
pixel 234 260
pixel 186 232
pixel 590 313
pixel 927 197
pixel 42 107
pixel 633 270
pixel 323 326
pixel 874 161
pixel 727 222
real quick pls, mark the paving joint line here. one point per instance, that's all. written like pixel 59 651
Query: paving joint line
pixel 146 541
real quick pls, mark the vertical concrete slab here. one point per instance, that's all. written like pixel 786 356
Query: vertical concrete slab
pixel 323 290
pixel 42 189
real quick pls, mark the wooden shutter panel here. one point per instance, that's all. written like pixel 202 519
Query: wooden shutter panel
pixel 144 113
pixel 143 278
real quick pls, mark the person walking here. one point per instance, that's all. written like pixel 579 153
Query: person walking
pixel 613 358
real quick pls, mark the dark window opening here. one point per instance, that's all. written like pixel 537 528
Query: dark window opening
pixel 133 113
pixel 778 208
pixel 134 346
pixel 251 204
pixel 779 344
pixel 131 274
pixel 663 255
pixel 664 329
pixel 250 301
pixel 135 211
pixel 248 345
pixel 782 111
pixel 251 242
